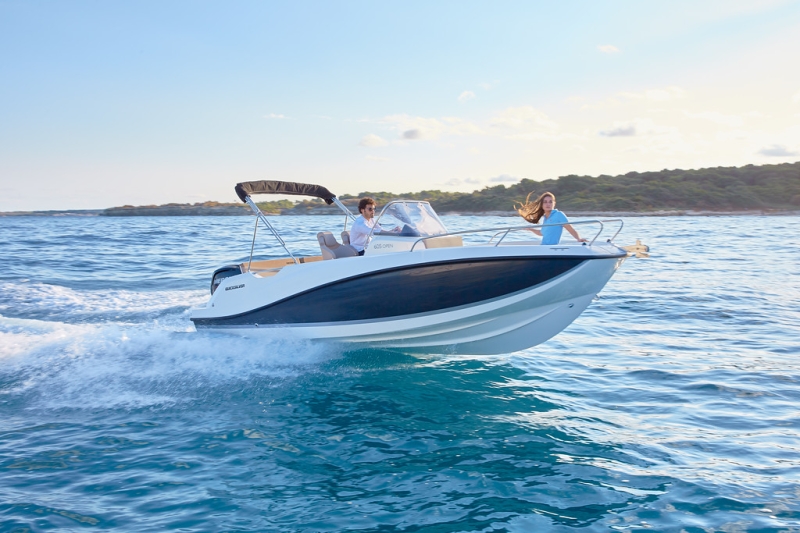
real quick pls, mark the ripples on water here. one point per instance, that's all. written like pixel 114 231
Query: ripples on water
pixel 669 405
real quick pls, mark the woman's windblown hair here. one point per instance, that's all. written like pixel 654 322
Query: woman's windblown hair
pixel 533 211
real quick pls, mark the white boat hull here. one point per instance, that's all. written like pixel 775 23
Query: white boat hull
pixel 507 322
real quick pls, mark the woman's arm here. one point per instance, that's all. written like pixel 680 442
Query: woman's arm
pixel 574 233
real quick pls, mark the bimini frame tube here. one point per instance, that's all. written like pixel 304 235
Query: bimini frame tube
pixel 249 201
pixel 348 214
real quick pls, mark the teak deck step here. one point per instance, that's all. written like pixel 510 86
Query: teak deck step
pixel 276 264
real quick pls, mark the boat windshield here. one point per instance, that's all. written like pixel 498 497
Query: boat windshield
pixel 415 219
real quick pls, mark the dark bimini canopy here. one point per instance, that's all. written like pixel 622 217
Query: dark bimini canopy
pixel 249 188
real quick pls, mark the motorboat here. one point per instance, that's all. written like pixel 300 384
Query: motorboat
pixel 418 288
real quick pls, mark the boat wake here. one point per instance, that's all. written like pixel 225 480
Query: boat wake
pixel 152 358
pixel 64 304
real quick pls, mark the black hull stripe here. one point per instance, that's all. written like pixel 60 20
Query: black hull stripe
pixel 405 291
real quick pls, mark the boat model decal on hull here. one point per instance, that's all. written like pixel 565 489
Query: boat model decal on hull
pixel 404 291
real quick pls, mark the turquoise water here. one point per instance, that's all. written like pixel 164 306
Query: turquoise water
pixel 671 404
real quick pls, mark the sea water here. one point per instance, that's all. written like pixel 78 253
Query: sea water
pixel 671 404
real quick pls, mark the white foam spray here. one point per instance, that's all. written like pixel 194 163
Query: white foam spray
pixel 57 365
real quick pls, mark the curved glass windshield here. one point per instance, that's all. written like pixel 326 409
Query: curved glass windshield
pixel 413 219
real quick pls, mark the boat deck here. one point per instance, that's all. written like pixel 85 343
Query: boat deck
pixel 270 267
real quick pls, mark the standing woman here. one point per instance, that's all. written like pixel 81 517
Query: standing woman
pixel 544 209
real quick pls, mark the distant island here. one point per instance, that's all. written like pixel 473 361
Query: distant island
pixel 752 188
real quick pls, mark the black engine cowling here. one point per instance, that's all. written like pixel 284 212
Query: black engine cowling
pixel 222 273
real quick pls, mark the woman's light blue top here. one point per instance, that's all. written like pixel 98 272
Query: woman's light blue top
pixel 552 234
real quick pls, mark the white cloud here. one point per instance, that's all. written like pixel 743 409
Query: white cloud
pixel 732 135
pixel 733 121
pixel 543 136
pixel 537 136
pixel 650 139
pixel 796 98
pixel 376 158
pixel 661 95
pixel 526 123
pixel 415 127
pixel 778 150
pixel 276 116
pixel 459 126
pixel 522 117
pixel 523 123
pixel 657 95
pixel 664 95
pixel 466 96
pixel 608 48
pixel 455 182
pixel 422 128
pixel 640 127
pixel 505 178
pixel 608 103
pixel 372 141
pixel 620 129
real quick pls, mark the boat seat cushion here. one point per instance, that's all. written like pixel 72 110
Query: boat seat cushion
pixel 332 249
pixel 448 241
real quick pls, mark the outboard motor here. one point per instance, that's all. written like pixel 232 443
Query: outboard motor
pixel 222 273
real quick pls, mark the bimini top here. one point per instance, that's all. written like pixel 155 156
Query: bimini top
pixel 249 188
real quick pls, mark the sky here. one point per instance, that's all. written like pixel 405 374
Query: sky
pixel 108 103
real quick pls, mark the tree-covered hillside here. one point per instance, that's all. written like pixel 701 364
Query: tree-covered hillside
pixel 713 189
pixel 765 187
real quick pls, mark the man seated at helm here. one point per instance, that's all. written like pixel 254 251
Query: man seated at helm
pixel 364 225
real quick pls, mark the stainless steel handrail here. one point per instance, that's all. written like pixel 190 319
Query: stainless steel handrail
pixel 506 230
pixel 621 223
